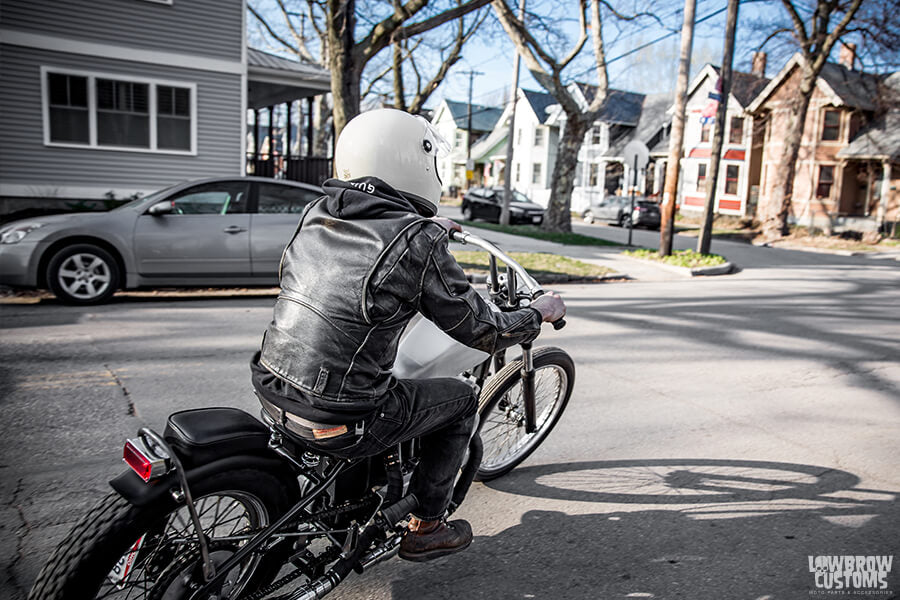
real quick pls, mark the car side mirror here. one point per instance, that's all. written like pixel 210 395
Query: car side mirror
pixel 162 208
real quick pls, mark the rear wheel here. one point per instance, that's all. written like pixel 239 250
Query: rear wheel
pixel 123 552
pixel 83 274
pixel 588 217
pixel 467 213
pixel 502 410
pixel 625 221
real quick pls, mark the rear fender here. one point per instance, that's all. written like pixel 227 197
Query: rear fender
pixel 138 493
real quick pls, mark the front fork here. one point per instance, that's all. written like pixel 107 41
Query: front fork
pixel 527 373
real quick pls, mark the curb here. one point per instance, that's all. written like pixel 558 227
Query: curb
pixel 724 269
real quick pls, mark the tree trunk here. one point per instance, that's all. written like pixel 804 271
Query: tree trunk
pixel 558 216
pixel 778 207
pixel 343 62
pixel 321 127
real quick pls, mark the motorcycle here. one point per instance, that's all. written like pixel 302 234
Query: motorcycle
pixel 223 505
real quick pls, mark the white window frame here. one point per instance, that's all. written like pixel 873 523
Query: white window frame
pixel 168 2
pixel 92 77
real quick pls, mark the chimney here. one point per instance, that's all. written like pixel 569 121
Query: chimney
pixel 759 64
pixel 847 55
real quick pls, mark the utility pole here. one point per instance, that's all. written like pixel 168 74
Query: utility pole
pixel 507 172
pixel 677 140
pixel 469 165
pixel 712 182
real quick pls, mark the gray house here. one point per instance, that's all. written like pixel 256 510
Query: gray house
pixel 108 98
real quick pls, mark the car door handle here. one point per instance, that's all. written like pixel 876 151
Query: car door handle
pixel 234 229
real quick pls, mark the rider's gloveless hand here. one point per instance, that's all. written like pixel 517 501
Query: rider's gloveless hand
pixel 448 224
pixel 551 307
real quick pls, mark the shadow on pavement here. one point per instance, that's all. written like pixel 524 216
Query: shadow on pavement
pixel 700 529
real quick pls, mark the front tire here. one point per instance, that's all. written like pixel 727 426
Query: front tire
pixel 231 502
pixel 589 217
pixel 502 427
pixel 467 213
pixel 83 274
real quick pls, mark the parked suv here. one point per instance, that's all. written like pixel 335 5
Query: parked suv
pixel 485 203
pixel 616 209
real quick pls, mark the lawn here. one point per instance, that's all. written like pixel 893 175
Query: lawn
pixel 573 239
pixel 679 258
pixel 539 264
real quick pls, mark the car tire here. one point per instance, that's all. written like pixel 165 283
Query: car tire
pixel 83 274
pixel 588 217
pixel 467 213
pixel 626 222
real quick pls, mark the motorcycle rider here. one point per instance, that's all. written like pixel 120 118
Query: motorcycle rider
pixel 365 258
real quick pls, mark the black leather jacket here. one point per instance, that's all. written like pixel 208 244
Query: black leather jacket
pixel 361 264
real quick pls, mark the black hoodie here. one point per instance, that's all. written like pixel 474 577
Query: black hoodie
pixel 361 264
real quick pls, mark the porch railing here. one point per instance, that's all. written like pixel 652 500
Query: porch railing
pixel 306 169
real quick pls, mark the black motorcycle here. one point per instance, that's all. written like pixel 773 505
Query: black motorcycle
pixel 225 506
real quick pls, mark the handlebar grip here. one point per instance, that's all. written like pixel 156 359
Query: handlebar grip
pixel 559 324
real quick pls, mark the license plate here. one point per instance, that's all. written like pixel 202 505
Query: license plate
pixel 535 219
pixel 123 567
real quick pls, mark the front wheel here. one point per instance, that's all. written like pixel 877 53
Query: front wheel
pixel 502 410
pixel 83 274
pixel 588 217
pixel 119 551
pixel 468 214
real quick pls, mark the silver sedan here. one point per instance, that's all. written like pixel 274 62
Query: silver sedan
pixel 209 232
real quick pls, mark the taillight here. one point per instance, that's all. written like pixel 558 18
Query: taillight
pixel 143 461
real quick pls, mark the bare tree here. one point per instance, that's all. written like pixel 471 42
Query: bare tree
pixel 548 71
pixel 816 36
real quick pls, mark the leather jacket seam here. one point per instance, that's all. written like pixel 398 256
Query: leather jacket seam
pixel 377 263
pixel 353 361
pixel 296 231
pixel 287 296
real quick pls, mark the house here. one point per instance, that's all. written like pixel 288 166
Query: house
pixel 846 173
pixel 451 119
pixel 107 99
pixel 739 161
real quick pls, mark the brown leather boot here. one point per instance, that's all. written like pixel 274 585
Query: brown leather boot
pixel 425 540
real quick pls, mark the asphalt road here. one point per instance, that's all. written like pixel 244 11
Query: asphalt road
pixel 721 431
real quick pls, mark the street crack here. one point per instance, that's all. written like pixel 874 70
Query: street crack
pixel 130 409
pixel 20 533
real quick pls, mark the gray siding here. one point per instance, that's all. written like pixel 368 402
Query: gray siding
pixel 25 160
pixel 210 28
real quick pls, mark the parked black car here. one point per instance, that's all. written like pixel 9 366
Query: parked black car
pixel 616 209
pixel 485 203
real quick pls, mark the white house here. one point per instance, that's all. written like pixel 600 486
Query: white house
pixel 451 120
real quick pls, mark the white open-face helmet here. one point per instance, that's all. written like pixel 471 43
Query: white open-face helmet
pixel 399 148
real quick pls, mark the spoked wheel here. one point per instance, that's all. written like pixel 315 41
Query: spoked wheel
pixel 122 552
pixel 83 274
pixel 502 409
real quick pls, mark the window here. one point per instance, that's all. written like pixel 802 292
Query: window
pixel 283 199
pixel 69 119
pixel 536 173
pixel 594 174
pixel 831 128
pixel 518 172
pixel 731 179
pixel 701 178
pixel 538 137
pixel 519 137
pixel 173 118
pixel 595 135
pixel 736 134
pixel 221 198
pixel 826 180
pixel 704 132
pixel 460 139
pixel 123 113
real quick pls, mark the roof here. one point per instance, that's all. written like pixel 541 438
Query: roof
pixel 539 102
pixel 264 60
pixel 653 117
pixel 855 88
pixel 879 140
pixel 744 86
pixel 483 117
pixel 620 106
pixel 847 87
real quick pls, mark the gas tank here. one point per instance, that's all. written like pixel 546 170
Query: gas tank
pixel 425 351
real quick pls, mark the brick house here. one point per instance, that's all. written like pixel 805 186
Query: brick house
pixel 844 177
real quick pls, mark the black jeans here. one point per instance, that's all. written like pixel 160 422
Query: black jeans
pixel 441 413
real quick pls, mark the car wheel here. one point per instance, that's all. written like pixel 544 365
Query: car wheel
pixel 625 221
pixel 588 217
pixel 467 213
pixel 83 274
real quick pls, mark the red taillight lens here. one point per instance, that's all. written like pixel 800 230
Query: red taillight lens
pixel 143 462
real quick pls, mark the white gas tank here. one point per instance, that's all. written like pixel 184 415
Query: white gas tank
pixel 425 351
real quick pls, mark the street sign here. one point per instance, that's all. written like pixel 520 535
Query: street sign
pixel 636 154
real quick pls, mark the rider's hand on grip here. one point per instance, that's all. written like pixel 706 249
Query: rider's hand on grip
pixel 551 307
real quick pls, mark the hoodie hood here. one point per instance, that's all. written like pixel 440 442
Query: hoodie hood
pixel 371 198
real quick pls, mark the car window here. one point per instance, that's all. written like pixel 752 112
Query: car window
pixel 219 198
pixel 283 199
